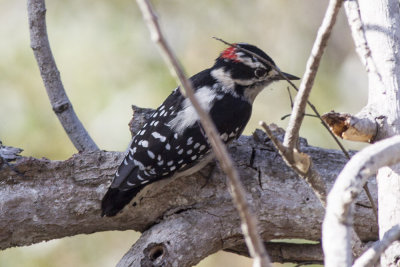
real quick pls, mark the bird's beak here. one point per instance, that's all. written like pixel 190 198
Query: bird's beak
pixel 287 75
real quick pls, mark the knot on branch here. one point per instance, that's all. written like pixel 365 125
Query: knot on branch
pixel 155 254
pixel 60 108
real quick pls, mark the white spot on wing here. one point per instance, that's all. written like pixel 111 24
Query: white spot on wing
pixel 194 157
pixel 129 183
pixel 189 141
pixel 196 145
pixel 180 151
pixel 189 152
pixel 202 147
pixel 161 162
pixel 151 154
pixel 172 168
pixel 167 146
pixel 144 143
pixel 138 163
pixel 169 163
pixel 159 136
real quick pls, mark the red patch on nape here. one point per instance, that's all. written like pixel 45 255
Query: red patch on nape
pixel 230 53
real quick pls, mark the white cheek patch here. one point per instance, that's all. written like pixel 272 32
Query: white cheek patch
pixel 187 117
pixel 223 77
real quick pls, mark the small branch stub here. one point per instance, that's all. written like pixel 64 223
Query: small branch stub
pixel 352 128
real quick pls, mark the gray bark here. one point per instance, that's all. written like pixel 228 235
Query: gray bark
pixel 59 100
pixel 54 199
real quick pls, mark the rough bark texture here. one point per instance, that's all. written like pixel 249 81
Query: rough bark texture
pixel 54 199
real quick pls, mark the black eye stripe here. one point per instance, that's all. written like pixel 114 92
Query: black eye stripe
pixel 260 72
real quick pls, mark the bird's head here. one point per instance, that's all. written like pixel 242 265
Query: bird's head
pixel 243 73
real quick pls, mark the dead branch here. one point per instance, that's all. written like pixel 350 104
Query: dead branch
pixel 60 103
pixel 248 220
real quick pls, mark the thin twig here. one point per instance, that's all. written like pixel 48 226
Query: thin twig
pixel 290 97
pixel 52 80
pixel 337 226
pixel 249 221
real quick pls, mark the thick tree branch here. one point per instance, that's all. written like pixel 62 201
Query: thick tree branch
pixel 337 227
pixel 54 199
pixel 52 80
pixel 248 220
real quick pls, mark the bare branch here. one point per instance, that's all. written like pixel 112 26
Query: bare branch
pixel 337 226
pixel 292 132
pixel 249 221
pixel 52 80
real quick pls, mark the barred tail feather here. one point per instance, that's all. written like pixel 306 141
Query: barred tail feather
pixel 115 200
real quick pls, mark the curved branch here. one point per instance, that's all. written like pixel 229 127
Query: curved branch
pixel 52 80
pixel 337 226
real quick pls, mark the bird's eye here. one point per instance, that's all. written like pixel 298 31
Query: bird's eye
pixel 260 72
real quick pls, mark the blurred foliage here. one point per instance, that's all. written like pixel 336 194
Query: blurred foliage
pixel 108 62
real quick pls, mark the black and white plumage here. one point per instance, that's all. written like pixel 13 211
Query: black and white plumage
pixel 173 143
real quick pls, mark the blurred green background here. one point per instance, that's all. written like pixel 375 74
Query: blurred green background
pixel 108 62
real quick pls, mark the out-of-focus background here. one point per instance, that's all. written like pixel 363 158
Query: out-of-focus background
pixel 108 62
